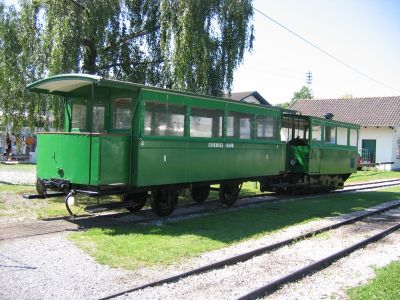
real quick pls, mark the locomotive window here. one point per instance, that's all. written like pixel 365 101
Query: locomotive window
pixel 79 116
pixel 294 127
pixel 206 122
pixel 353 137
pixel 98 118
pixel 238 125
pixel 164 119
pixel 342 136
pixel 266 127
pixel 317 133
pixel 330 134
pixel 122 113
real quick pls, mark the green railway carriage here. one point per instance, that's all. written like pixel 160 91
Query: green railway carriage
pixel 135 140
pixel 320 153
pixel 143 142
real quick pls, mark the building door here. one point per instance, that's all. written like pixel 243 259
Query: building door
pixel 368 150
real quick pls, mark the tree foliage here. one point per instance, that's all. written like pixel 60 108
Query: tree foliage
pixel 304 93
pixel 189 45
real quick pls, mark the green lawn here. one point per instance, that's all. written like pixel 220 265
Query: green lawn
pixel 364 176
pixel 17 167
pixel 386 285
pixel 133 246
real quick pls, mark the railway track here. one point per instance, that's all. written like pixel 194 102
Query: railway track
pixel 271 287
pixel 297 274
pixel 55 225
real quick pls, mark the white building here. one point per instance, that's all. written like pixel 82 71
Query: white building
pixel 379 119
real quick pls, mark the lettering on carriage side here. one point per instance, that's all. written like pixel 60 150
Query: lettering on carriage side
pixel 215 145
pixel 229 145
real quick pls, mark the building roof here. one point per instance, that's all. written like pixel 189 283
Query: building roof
pixel 241 96
pixel 374 111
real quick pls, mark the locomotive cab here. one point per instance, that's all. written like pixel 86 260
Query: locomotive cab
pixel 319 152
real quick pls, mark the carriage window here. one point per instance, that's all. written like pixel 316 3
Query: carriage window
pixel 353 137
pixel 316 133
pixel 79 116
pixel 164 119
pixel 206 122
pixel 330 134
pixel 266 127
pixel 238 125
pixel 342 136
pixel 98 118
pixel 122 113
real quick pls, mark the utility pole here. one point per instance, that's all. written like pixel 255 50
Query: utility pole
pixel 309 82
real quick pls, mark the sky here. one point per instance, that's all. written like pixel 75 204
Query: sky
pixel 364 34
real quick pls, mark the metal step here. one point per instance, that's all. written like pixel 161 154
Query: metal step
pixel 108 206
pixel 49 195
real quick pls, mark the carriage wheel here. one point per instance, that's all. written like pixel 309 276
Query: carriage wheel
pixel 163 202
pixel 139 200
pixel 228 193
pixel 41 187
pixel 200 193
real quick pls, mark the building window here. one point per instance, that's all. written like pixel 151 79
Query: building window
pixel 398 149
pixel 164 119
pixel 206 122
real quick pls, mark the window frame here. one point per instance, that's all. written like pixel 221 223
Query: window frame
pixel 143 119
pixel 82 102
pixel 222 129
pixel 252 124
pixel 330 142
pixel 112 129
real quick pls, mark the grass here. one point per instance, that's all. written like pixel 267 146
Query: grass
pixel 384 286
pixel 365 176
pixel 17 167
pixel 133 246
pixel 16 188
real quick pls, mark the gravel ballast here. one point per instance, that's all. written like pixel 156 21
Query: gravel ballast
pixel 51 266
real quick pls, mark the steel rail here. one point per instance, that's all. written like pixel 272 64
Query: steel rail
pixel 242 205
pixel 372 182
pixel 248 255
pixel 89 221
pixel 317 266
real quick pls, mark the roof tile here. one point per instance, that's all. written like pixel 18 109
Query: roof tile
pixel 377 111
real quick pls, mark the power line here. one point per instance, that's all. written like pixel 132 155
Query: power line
pixel 327 53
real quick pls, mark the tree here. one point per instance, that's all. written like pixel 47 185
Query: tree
pixel 304 93
pixel 284 104
pixel 347 96
pixel 182 44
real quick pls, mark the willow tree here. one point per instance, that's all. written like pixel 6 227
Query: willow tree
pixel 189 45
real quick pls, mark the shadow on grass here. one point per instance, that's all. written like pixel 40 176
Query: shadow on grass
pixel 232 226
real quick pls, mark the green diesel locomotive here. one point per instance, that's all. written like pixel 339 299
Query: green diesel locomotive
pixel 143 142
